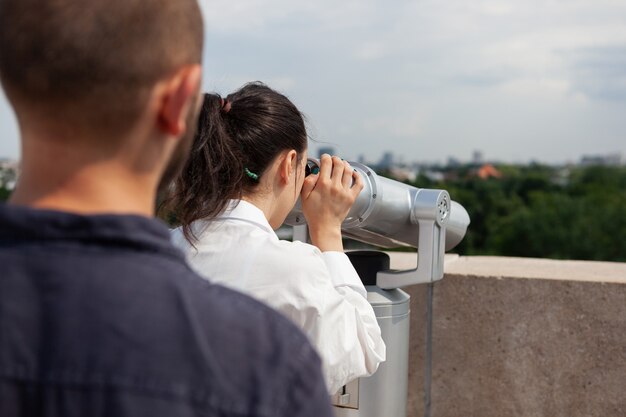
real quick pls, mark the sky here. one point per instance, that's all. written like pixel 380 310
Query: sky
pixel 541 80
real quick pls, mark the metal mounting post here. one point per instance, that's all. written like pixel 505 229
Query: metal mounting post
pixel 431 211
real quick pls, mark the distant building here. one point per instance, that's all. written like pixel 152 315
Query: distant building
pixel 8 173
pixel 453 162
pixel 477 158
pixel 403 174
pixel 561 177
pixel 386 162
pixel 614 159
pixel 435 176
pixel 8 164
pixel 487 171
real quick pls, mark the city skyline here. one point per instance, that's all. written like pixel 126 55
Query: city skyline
pixel 429 80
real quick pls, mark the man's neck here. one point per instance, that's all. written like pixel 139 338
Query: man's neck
pixel 85 193
pixel 65 182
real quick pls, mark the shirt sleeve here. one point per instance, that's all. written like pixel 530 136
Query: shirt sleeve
pixel 334 312
pixel 342 273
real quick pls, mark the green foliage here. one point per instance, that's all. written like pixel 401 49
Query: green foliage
pixel 4 194
pixel 536 211
pixel 532 211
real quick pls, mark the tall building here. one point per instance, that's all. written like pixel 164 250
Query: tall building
pixel 453 162
pixel 386 161
pixel 477 158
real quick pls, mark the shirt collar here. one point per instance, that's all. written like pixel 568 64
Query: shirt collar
pixel 243 210
pixel 20 224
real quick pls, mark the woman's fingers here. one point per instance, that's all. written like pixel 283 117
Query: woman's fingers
pixel 309 186
pixel 346 180
pixel 338 169
pixel 358 185
pixel 326 166
pixel 337 174
pixel 328 196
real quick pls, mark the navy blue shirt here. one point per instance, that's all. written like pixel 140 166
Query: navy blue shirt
pixel 100 316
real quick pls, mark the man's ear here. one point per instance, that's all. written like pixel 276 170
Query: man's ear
pixel 287 164
pixel 177 98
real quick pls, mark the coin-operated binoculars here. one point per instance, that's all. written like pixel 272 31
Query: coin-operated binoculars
pixel 388 214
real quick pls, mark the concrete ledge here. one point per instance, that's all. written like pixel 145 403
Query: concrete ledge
pixel 521 337
pixel 527 268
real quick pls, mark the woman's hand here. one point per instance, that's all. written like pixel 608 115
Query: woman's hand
pixel 326 200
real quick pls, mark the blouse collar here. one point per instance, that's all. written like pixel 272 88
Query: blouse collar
pixel 248 212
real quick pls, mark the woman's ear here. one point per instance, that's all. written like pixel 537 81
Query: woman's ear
pixel 288 163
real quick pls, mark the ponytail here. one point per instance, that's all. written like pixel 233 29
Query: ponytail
pixel 236 140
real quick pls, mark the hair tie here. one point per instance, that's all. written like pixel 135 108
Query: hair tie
pixel 225 105
pixel 251 174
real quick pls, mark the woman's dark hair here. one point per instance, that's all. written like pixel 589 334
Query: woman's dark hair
pixel 237 139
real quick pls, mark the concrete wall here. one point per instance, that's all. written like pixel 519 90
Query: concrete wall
pixel 521 337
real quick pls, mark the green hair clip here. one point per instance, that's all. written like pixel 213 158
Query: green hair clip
pixel 251 174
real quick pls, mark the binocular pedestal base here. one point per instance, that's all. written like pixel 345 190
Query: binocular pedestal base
pixel 383 394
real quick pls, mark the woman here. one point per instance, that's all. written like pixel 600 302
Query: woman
pixel 245 173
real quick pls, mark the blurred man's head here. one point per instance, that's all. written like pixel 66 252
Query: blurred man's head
pixel 100 71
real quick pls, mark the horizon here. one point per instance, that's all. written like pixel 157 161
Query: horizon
pixel 462 163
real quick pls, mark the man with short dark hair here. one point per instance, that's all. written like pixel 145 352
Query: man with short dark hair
pixel 99 314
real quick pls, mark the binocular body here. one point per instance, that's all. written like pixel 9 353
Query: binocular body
pixel 387 213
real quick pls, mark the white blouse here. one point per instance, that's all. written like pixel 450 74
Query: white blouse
pixel 320 292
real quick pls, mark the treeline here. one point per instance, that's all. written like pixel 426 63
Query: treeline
pixel 539 211
pixel 4 194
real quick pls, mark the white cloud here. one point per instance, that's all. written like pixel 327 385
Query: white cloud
pixel 370 51
pixel 405 125
pixel 249 16
pixel 227 84
pixel 537 87
pixel 431 78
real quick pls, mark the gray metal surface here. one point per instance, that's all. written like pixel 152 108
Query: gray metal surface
pixel 384 213
pixel 384 393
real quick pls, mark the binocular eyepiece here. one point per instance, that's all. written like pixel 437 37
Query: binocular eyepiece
pixel 311 167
